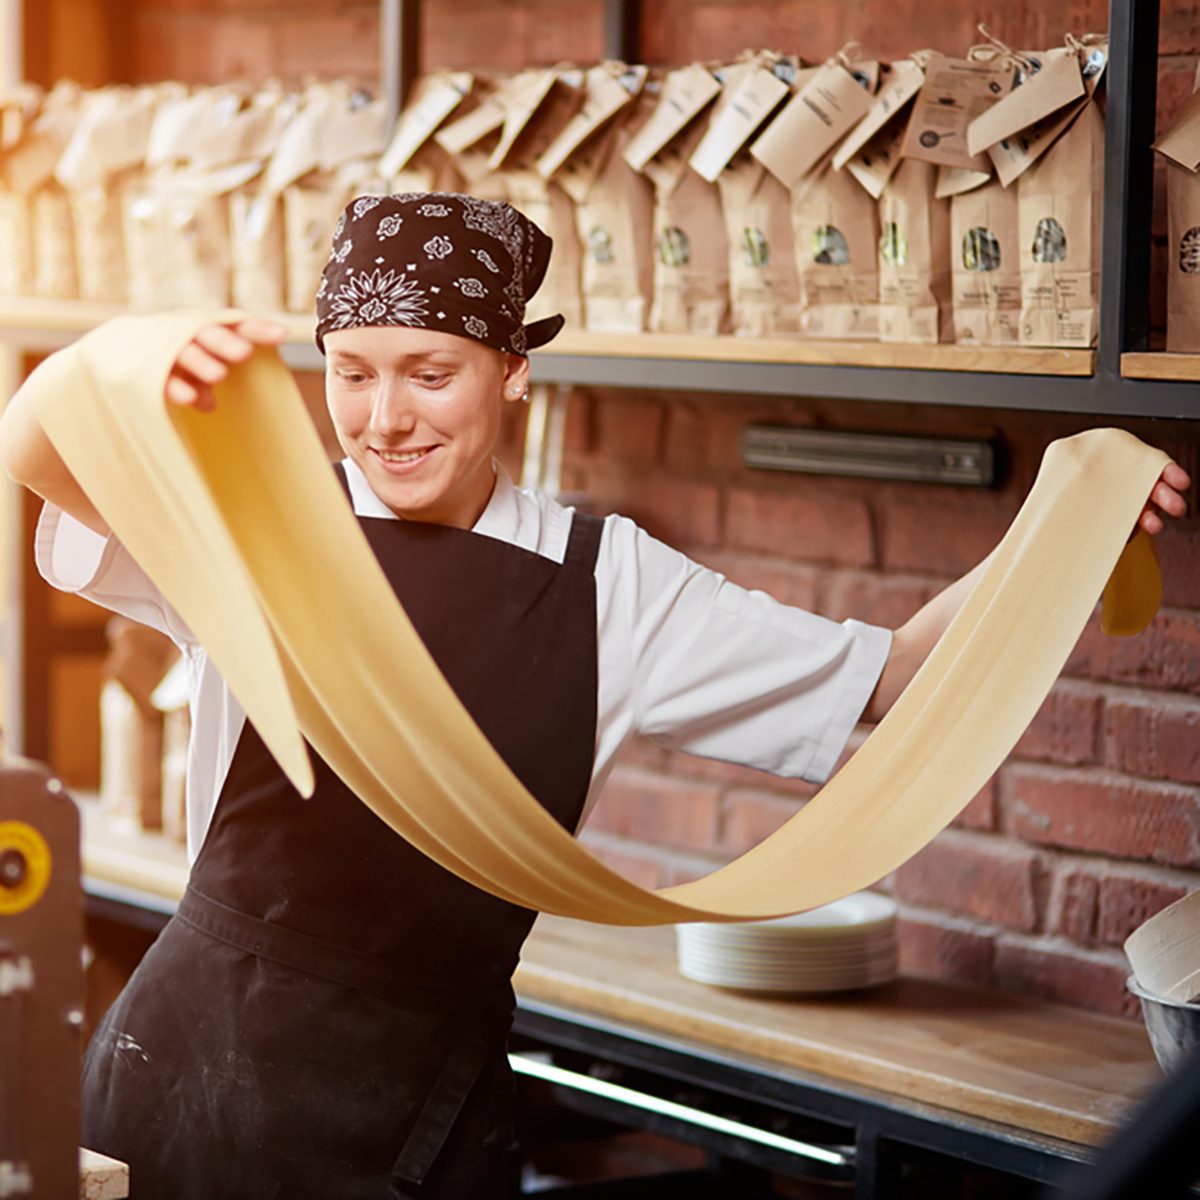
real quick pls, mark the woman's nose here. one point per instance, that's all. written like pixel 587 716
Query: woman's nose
pixel 391 413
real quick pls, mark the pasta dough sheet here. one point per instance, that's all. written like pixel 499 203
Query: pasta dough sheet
pixel 237 517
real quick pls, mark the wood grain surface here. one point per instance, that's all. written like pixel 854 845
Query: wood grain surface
pixel 1047 1069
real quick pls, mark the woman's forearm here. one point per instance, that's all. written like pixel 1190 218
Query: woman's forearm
pixel 28 456
pixel 913 641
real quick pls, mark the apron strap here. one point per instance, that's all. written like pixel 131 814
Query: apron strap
pixel 334 963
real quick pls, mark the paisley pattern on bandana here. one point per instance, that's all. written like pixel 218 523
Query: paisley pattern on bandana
pixel 437 260
pixel 471 287
pixel 389 227
pixel 378 298
pixel 487 260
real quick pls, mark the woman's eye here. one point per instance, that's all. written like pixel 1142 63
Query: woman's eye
pixel 431 380
pixel 353 377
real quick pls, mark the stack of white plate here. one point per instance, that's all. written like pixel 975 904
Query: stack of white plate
pixel 848 944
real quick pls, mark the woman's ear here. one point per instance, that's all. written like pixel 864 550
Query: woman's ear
pixel 516 377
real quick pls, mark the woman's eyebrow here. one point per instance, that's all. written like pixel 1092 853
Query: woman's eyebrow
pixel 439 357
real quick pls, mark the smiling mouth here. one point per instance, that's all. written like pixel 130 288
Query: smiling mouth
pixel 403 457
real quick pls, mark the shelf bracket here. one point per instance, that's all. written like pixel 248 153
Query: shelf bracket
pixel 399 52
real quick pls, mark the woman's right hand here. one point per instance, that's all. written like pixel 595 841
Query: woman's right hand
pixel 205 360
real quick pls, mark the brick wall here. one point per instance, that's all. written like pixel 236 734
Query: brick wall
pixel 1094 823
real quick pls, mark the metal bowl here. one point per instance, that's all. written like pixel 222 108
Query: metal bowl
pixel 1173 1026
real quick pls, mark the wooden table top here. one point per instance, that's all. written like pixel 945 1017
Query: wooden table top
pixel 1047 1069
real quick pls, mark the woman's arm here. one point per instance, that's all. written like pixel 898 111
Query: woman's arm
pixel 29 457
pixel 916 637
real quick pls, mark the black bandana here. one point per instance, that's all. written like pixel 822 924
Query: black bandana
pixel 436 260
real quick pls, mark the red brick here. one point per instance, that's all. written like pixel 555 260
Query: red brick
pixel 678 512
pixel 640 865
pixel 886 600
pixel 629 430
pixel 1167 654
pixel 1052 970
pixel 973 876
pixel 684 868
pixel 1074 906
pixel 642 752
pixel 944 538
pixel 1128 900
pixel 802 522
pixel 937 947
pixel 506 37
pixel 752 816
pixel 1154 735
pixel 789 583
pixel 689 766
pixel 1179 553
pixel 668 812
pixel 344 44
pixel 1102 812
pixel 980 813
pixel 1066 727
pixel 708 435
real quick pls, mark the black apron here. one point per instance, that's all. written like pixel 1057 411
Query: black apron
pixel 326 1014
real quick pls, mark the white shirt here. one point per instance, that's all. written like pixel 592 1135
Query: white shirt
pixel 684 657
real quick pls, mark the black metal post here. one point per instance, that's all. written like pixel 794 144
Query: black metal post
pixel 1132 91
pixel 621 29
pixel 399 52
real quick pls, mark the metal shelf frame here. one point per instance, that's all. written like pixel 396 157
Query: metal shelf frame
pixel 1124 306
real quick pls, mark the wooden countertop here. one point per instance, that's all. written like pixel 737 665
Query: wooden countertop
pixel 1043 1068
pixel 1047 1069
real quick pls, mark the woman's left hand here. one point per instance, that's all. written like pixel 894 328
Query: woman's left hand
pixel 1166 498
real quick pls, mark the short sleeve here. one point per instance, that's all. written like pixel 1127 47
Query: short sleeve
pixel 73 558
pixel 732 674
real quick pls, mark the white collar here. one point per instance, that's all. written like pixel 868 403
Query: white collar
pixel 501 518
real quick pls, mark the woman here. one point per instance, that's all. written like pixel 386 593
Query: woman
pixel 326 1015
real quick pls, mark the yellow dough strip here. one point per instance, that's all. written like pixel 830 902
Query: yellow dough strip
pixel 237 517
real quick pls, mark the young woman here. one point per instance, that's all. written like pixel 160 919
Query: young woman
pixel 326 1015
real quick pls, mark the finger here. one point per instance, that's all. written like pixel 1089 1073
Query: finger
pixel 261 331
pixel 1168 499
pixel 191 393
pixel 180 391
pixel 1151 522
pixel 204 366
pixel 1177 477
pixel 224 343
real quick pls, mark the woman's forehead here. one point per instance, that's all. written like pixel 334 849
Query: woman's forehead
pixel 390 343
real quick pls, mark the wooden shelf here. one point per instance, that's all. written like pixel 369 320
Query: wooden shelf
pixel 1152 364
pixel 130 859
pixel 1011 360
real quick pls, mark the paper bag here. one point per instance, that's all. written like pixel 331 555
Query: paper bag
pixel 1180 146
pixel 835 227
pixel 538 104
pixel 764 289
pixel 691 252
pixel 54 272
pixel 614 207
pixel 914 258
pixel 986 266
pixel 1059 202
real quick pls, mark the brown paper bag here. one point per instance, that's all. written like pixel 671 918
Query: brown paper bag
pixel 1180 146
pixel 835 228
pixel 614 204
pixel 1183 260
pixel 986 266
pixel 105 154
pixel 311 208
pixel 914 258
pixel 538 104
pixel 54 272
pixel 1059 202
pixel 691 252
pixel 763 286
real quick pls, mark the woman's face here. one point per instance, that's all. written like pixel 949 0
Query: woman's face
pixel 418 411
